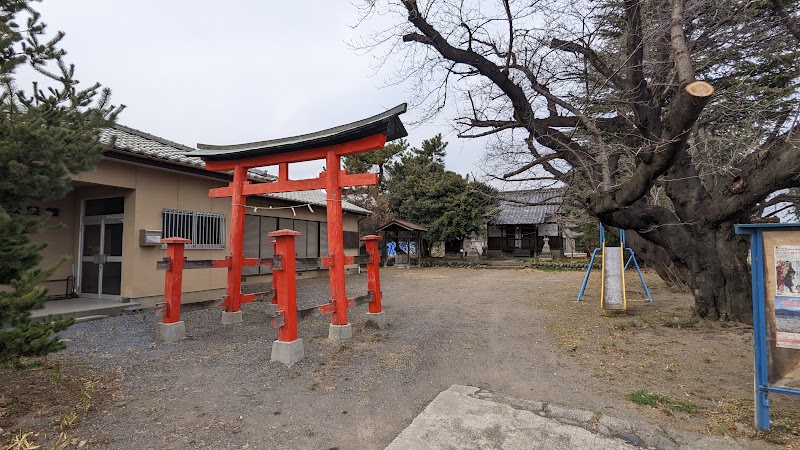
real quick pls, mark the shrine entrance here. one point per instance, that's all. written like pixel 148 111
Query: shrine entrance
pixel 331 145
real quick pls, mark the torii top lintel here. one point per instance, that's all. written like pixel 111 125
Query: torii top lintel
pixel 352 138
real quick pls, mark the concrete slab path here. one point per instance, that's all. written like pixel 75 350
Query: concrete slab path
pixel 82 307
pixel 466 417
pixel 455 419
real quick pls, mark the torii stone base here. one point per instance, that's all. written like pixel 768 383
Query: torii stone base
pixel 287 353
pixel 171 332
pixel 230 318
pixel 340 332
pixel 376 320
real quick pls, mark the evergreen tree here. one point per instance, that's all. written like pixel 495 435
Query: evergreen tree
pixel 47 134
pixel 375 161
pixel 373 198
pixel 421 190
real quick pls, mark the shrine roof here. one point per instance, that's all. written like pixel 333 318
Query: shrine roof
pixel 528 207
pixel 401 223
pixel 387 123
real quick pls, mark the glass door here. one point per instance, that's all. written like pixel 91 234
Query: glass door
pixel 100 266
pixel 101 257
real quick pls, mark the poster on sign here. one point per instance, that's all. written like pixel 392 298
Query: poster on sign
pixel 782 306
pixel 787 296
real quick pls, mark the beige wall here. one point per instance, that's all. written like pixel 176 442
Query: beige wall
pixel 148 190
pixel 156 190
pixel 61 240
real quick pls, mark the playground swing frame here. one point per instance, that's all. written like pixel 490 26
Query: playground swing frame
pixel 631 259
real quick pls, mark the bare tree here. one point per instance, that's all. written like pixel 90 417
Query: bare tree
pixel 672 119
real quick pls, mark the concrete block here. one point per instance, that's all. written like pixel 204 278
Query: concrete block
pixel 577 415
pixel 340 332
pixel 376 320
pixel 461 389
pixel 632 439
pixel 458 420
pixel 230 318
pixel 665 443
pixel 648 433
pixel 287 353
pixel 171 332
pixel 521 403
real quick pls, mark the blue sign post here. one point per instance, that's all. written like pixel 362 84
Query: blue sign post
pixel 766 241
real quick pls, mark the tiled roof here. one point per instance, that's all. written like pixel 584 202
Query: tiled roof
pixel 528 207
pixel 138 142
pixel 402 223
pixel 387 123
pixel 129 140
pixel 315 198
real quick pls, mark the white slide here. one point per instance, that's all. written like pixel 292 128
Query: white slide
pixel 613 279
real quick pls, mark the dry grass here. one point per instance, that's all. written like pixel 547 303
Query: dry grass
pixel 661 357
pixel 40 406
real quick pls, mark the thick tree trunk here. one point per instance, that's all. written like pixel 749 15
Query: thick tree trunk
pixel 714 267
pixel 720 276
pixel 674 273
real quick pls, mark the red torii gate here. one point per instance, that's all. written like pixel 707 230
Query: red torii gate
pixel 331 144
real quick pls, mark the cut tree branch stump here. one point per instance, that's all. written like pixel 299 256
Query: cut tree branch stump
pixel 699 89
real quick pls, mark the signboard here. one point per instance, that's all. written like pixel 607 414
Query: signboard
pixel 775 266
pixel 782 306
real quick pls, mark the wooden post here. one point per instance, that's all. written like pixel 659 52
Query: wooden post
pixel 173 280
pixel 374 272
pixel 233 299
pixel 335 238
pixel 274 278
pixel 285 282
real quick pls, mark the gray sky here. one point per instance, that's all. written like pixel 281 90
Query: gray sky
pixel 193 71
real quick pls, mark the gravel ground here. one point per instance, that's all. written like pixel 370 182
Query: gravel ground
pixel 217 389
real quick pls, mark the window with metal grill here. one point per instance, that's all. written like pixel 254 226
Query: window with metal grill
pixel 205 230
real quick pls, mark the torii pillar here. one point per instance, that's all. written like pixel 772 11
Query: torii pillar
pixel 357 137
pixel 340 328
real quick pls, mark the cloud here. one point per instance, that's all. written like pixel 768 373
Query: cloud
pixel 232 72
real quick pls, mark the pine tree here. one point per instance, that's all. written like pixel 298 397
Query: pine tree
pixel 421 190
pixel 373 198
pixel 47 134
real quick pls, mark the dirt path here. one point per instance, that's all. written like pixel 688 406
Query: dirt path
pixel 514 332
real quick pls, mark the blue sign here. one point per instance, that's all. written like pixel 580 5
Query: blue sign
pixel 779 291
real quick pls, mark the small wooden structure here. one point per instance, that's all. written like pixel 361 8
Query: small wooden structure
pixel 402 239
pixel 523 220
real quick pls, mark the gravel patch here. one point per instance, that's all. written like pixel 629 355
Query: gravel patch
pixel 217 389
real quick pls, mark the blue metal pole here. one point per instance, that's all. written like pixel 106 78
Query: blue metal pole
pixel 586 277
pixel 759 331
pixel 641 276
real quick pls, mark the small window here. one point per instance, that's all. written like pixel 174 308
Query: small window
pixel 104 206
pixel 350 239
pixel 205 230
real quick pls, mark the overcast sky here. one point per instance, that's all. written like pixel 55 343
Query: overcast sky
pixel 235 72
